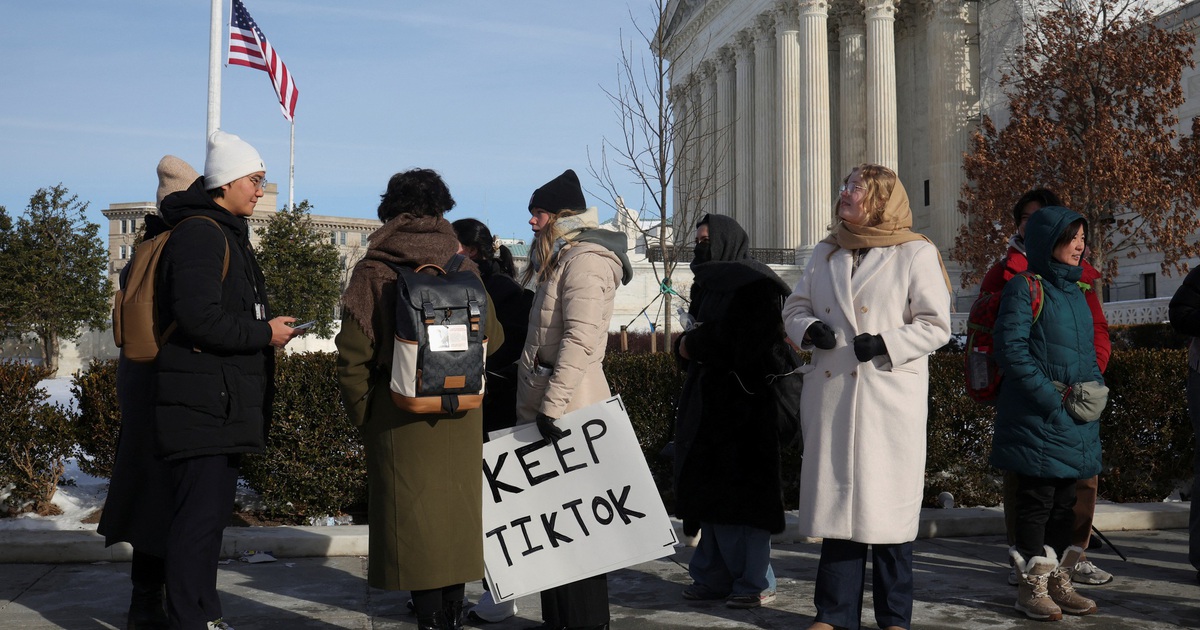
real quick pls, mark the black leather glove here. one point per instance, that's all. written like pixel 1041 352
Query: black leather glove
pixel 548 429
pixel 868 346
pixel 821 335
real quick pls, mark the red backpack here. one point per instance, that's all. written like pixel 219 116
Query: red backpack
pixel 982 374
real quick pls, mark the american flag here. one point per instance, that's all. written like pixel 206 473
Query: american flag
pixel 248 47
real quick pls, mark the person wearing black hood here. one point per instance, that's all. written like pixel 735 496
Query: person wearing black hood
pixel 137 508
pixel 213 375
pixel 727 474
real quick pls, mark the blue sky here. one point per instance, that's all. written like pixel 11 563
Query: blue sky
pixel 498 96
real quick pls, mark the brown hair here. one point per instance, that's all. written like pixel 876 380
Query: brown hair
pixel 879 181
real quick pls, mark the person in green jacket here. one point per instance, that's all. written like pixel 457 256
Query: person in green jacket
pixel 1036 437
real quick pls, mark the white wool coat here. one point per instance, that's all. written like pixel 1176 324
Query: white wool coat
pixel 864 423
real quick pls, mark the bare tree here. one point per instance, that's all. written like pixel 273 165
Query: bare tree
pixel 1092 94
pixel 668 141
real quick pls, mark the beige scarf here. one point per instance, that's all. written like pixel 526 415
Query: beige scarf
pixel 894 228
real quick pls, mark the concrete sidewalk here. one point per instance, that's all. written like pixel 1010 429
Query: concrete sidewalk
pixel 961 583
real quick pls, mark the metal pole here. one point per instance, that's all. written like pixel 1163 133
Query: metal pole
pixel 292 168
pixel 214 71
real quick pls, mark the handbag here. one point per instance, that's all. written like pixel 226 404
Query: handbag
pixel 1084 401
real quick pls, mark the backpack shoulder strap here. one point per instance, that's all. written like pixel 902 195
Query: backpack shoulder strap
pixel 225 264
pixel 1037 294
pixel 166 334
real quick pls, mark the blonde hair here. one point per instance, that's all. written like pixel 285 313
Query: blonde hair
pixel 879 181
pixel 543 246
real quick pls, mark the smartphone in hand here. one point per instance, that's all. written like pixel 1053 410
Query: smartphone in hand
pixel 304 326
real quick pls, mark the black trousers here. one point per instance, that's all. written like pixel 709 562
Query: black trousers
pixel 204 491
pixel 582 604
pixel 1045 511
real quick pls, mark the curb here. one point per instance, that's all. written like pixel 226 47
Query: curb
pixel 58 546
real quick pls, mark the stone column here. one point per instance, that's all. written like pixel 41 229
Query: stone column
pixel 787 24
pixel 677 97
pixel 706 164
pixel 852 97
pixel 953 106
pixel 882 144
pixel 815 194
pixel 743 205
pixel 726 114
pixel 766 199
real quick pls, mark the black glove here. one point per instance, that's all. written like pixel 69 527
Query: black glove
pixel 547 428
pixel 821 335
pixel 868 346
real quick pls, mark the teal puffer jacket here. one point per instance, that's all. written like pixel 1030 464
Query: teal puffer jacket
pixel 1034 434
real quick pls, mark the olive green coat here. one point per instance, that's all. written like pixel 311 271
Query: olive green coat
pixel 424 471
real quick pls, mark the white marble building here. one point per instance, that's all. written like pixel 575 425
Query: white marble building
pixel 806 89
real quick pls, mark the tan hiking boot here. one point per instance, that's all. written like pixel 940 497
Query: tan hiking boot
pixel 1063 592
pixel 1033 596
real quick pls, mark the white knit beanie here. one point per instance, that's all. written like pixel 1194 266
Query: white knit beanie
pixel 229 157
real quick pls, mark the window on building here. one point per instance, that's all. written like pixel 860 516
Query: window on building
pixel 1149 286
pixel 927 193
pixel 124 227
pixel 343 238
pixel 121 251
pixel 333 238
pixel 133 225
pixel 363 237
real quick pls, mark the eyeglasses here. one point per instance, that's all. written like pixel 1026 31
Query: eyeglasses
pixel 260 183
pixel 847 189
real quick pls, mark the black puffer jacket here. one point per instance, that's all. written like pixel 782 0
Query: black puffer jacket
pixel 215 374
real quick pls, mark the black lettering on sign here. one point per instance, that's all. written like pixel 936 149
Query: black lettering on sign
pixel 562 457
pixel 499 534
pixel 529 548
pixel 597 503
pixel 623 511
pixel 494 482
pixel 574 507
pixel 594 430
pixel 529 465
pixel 551 533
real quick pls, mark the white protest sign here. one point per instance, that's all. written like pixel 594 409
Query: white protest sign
pixel 554 513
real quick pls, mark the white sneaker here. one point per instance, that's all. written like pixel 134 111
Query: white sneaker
pixel 219 625
pixel 1087 573
pixel 488 610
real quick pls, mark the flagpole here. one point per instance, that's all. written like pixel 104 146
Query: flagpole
pixel 214 71
pixel 292 167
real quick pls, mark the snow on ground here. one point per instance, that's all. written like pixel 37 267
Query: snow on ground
pixel 77 500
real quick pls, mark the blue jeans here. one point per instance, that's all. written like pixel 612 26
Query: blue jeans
pixel 839 592
pixel 1193 399
pixel 733 560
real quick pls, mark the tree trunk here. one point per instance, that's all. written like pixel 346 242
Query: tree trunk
pixel 49 345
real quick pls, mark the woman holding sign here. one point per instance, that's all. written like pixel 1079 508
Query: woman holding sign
pixel 873 302
pixel 577 269
pixel 425 491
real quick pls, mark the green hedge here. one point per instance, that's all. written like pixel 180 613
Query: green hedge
pixel 314 462
pixel 99 421
pixel 37 441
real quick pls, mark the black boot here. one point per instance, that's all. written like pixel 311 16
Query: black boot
pixel 146 607
pixel 436 621
pixel 452 615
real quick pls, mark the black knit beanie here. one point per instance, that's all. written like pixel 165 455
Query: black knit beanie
pixel 561 193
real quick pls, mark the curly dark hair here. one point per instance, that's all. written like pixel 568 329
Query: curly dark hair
pixel 1043 196
pixel 419 192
